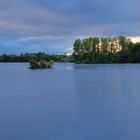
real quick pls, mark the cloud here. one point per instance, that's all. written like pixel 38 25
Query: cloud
pixel 135 39
pixel 18 18
pixel 51 18
pixel 56 24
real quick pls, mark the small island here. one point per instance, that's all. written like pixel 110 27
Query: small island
pixel 42 64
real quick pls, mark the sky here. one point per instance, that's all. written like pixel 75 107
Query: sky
pixel 51 26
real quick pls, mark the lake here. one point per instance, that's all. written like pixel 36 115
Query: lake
pixel 70 102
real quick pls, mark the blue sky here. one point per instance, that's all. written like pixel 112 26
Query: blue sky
pixel 53 25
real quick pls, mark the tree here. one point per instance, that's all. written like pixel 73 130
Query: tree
pixel 122 42
pixel 78 49
pixel 95 43
pixel 106 50
pixel 104 42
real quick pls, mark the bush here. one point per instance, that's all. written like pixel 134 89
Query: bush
pixel 34 64
pixel 42 64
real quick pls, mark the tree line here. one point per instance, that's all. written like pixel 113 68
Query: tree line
pixel 27 57
pixel 106 50
pixel 90 50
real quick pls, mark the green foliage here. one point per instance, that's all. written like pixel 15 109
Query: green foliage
pixel 106 50
pixel 134 53
pixel 90 50
pixel 34 64
pixel 27 57
pixel 42 64
pixel 51 62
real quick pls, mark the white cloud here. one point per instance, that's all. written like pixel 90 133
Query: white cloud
pixel 135 39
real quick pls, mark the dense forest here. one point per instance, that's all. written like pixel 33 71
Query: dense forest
pixel 106 50
pixel 36 57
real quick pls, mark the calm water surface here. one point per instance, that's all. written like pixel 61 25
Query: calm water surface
pixel 70 102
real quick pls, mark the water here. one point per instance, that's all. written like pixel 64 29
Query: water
pixel 70 102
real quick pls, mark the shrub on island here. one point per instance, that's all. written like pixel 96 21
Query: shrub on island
pixel 42 64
